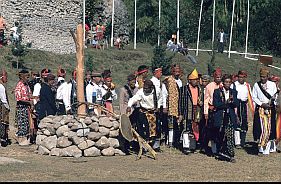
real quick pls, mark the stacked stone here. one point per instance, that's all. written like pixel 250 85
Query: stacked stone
pixel 67 136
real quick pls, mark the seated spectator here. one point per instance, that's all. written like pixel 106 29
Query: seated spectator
pixel 95 43
pixel 15 36
pixel 171 46
pixel 2 28
pixel 119 43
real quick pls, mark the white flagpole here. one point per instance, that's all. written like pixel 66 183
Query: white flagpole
pixel 84 20
pixel 159 22
pixel 230 39
pixel 135 31
pixel 112 24
pixel 199 27
pixel 247 32
pixel 178 22
pixel 214 14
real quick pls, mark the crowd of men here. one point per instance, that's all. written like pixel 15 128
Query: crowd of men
pixel 188 117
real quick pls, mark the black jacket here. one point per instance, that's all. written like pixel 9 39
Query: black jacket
pixel 47 101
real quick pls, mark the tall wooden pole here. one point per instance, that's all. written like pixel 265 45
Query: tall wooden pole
pixel 79 42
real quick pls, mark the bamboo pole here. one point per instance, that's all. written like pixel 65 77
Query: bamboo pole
pixel 79 42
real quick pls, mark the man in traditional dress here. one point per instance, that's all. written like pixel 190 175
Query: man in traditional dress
pixel 209 108
pixel 23 120
pixel 225 102
pixel 157 73
pixel 147 99
pixel 61 95
pixel 243 95
pixel 47 98
pixel 126 93
pixel 191 104
pixel 141 76
pixel 264 127
pixel 4 110
pixel 171 100
pixel 109 87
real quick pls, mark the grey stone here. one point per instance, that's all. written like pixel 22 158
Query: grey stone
pixel 102 143
pixel 46 132
pixel 43 151
pixel 70 125
pixel 61 130
pixel 114 133
pixel 71 151
pixel 46 120
pixel 112 119
pixel 50 142
pixel 113 142
pixel 70 134
pixel 83 132
pixel 92 152
pixel 77 140
pixel 94 136
pixel 88 121
pixel 86 144
pixel 108 151
pixel 119 152
pixel 104 131
pixel 104 121
pixel 57 125
pixel 94 127
pixel 74 128
pixel 51 129
pixel 57 119
pixel 63 142
pixel 116 124
pixel 55 152
pixel 43 125
pixel 95 119
pixel 40 138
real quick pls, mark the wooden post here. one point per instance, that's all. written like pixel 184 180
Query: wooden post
pixel 79 42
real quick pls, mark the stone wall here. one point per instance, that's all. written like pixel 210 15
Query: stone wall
pixel 67 136
pixel 46 23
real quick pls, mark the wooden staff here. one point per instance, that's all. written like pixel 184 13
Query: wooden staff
pixel 79 42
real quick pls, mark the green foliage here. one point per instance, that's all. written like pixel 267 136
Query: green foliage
pixel 161 60
pixel 89 65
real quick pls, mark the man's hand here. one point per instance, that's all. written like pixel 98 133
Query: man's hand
pixel 180 118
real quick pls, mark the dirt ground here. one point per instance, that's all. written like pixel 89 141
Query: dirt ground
pixel 171 165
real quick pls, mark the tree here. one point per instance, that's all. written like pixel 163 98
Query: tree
pixel 161 60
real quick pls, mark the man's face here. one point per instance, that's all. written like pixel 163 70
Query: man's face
pixel 51 82
pixel 177 72
pixel 97 80
pixel 147 89
pixel 227 83
pixel 205 82
pixel 144 75
pixel 263 79
pixel 158 73
pixel 241 79
pixel 5 77
pixel 132 83
pixel 25 78
pixel 88 77
pixel 194 82
pixel 217 79
pixel 108 82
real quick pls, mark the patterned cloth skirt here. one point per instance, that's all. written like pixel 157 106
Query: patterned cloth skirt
pixel 22 120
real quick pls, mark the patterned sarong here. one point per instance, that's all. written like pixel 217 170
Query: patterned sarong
pixel 23 119
pixel 151 119
pixel 265 120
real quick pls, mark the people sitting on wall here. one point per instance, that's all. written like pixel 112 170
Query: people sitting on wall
pixel 171 46
pixel 15 34
pixel 3 41
pixel 119 43
pixel 95 43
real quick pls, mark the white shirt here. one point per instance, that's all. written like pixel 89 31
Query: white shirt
pixel 146 101
pixel 90 89
pixel 158 87
pixel 259 97
pixel 226 94
pixel 221 37
pixel 67 102
pixel 36 92
pixel 242 90
pixel 62 92
pixel 179 82
pixel 3 96
pixel 114 94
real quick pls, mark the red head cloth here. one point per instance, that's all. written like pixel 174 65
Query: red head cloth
pixel 275 78
pixel 61 72
pixel 242 73
pixel 217 72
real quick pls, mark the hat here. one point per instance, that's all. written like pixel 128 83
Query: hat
pixel 96 74
pixel 61 72
pixel 131 77
pixel 264 72
pixel 193 75
pixel 217 72
pixel 242 73
pixel 142 69
pixel 205 77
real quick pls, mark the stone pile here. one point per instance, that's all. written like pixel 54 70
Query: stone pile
pixel 67 136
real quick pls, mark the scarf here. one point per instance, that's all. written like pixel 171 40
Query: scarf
pixel 173 96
